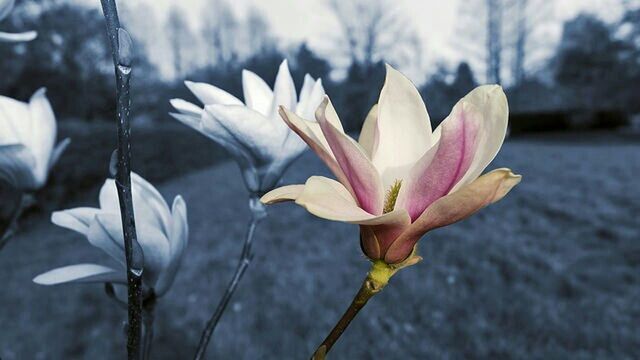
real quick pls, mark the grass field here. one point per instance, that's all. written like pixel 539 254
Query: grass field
pixel 551 272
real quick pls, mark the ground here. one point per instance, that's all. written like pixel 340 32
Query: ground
pixel 550 272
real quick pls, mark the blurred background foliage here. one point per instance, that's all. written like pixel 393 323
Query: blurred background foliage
pixel 550 272
pixel 590 80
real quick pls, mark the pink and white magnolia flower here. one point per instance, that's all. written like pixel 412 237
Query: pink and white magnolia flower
pixel 252 131
pixel 27 139
pixel 162 234
pixel 6 6
pixel 401 179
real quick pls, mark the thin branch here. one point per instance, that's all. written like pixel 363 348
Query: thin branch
pixel 376 280
pixel 10 230
pixel 121 52
pixel 245 260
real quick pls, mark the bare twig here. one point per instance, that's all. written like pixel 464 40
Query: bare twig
pixel 257 214
pixel 121 51
pixel 10 230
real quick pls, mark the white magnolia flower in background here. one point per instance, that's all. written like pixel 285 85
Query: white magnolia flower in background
pixel 162 234
pixel 5 8
pixel 252 131
pixel 27 139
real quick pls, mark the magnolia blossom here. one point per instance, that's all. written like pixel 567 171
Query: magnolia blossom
pixel 5 8
pixel 162 235
pixel 252 131
pixel 401 179
pixel 27 139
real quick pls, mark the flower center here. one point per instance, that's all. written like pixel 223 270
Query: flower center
pixel 391 197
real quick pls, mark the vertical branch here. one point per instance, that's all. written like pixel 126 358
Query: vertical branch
pixel 257 213
pixel 494 40
pixel 121 52
pixel 7 233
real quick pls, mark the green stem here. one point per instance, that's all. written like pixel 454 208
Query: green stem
pixel 377 278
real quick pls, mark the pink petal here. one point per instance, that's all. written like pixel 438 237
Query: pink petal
pixel 452 208
pixel 329 199
pixel 491 101
pixel 438 171
pixel 316 141
pixel 358 169
pixel 369 135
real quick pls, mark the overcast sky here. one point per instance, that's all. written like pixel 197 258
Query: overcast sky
pixel 294 21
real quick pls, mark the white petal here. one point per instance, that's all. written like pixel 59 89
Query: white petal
pixel 43 132
pixel 57 152
pixel 328 199
pixel 81 273
pixel 178 242
pixel 78 219
pixel 492 103
pixel 186 108
pixel 18 37
pixel 109 197
pixel 404 127
pixel 282 194
pixel 369 134
pixel 284 92
pixel 307 107
pixel 305 92
pixel 15 122
pixel 257 94
pixel 148 204
pixel 248 128
pixel 155 245
pixel 101 237
pixel 209 94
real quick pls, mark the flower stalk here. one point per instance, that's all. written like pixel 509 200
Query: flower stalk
pixel 10 230
pixel 121 52
pixel 257 213
pixel 377 278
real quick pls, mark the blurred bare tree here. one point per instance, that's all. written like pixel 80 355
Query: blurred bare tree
pixel 180 37
pixel 258 33
pixel 373 30
pixel 495 12
pixel 496 31
pixel 221 33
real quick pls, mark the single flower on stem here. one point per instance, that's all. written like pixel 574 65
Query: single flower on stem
pixel 401 179
pixel 6 6
pixel 27 141
pixel 253 133
pixel 162 234
pixel 27 149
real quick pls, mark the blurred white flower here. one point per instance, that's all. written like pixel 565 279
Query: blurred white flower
pixel 162 234
pixel 27 139
pixel 252 131
pixel 5 8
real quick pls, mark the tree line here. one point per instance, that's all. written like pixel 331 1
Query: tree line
pixel 594 67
